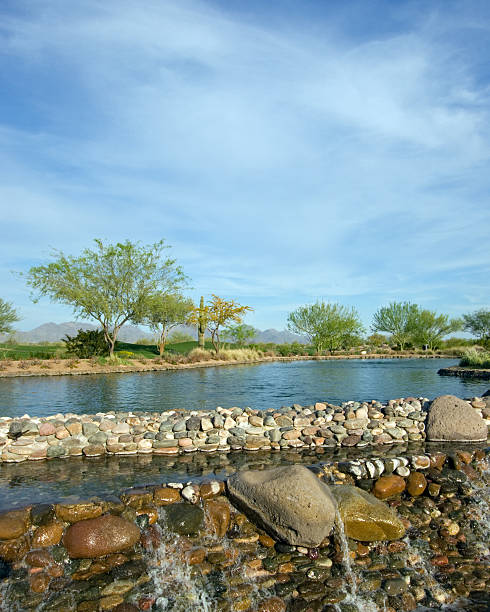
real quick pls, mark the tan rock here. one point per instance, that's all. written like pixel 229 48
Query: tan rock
pixel 416 484
pixel 48 535
pixel 14 550
pixel 71 513
pixel 164 496
pixel 13 524
pixel 366 518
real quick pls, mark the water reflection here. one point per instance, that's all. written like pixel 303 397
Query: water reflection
pixel 82 477
pixel 268 385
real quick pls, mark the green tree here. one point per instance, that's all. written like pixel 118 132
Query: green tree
pixel 87 343
pixel 8 316
pixel 430 328
pixel 112 283
pixel 218 313
pixel 376 339
pixel 327 326
pixel 239 334
pixel 478 324
pixel 398 319
pixel 163 313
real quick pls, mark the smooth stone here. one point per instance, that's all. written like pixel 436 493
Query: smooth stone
pixel 13 524
pixel 365 517
pixel 452 419
pixel 100 536
pixel 184 519
pixel 290 503
pixel 416 484
pixel 388 486
pixel 71 513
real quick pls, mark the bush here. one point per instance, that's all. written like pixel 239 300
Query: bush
pixel 88 343
pixel 126 355
pixel 475 359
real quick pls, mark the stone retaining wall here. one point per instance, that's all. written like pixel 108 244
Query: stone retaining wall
pixel 322 425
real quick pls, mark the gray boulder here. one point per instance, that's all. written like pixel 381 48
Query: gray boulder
pixel 290 503
pixel 453 419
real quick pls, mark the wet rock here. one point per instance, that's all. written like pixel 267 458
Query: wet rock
pixel 184 519
pixel 366 518
pixel 71 513
pixel 47 535
pixel 388 486
pixel 100 536
pixel 290 503
pixel 416 484
pixel 13 524
pixel 395 586
pixel 218 515
pixel 14 550
pixel 452 419
pixel 164 496
pixel 272 604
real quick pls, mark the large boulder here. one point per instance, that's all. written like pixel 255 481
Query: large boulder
pixel 365 517
pixel 100 536
pixel 453 419
pixel 290 503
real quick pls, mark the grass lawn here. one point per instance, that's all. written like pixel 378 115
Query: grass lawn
pixel 52 351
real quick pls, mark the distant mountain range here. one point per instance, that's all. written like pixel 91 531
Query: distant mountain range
pixel 54 332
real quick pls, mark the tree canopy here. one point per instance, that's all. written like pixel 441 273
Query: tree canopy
pixel 112 283
pixel 430 328
pixel 327 326
pixel 478 324
pixel 8 316
pixel 398 319
pixel 239 334
pixel 218 313
pixel 163 313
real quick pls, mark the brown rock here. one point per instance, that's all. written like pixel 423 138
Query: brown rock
pixel 196 556
pixel 137 499
pixel 14 550
pixel 94 450
pixel 39 558
pixel 452 419
pixel 110 602
pixel 388 486
pixel 100 536
pixel 437 461
pixel 47 535
pixel 164 496
pixel 416 484
pixel 210 489
pixel 39 582
pixel 72 513
pixel 266 541
pixel 151 512
pixel 13 524
pixel 218 516
pixel 272 604
pixel 126 607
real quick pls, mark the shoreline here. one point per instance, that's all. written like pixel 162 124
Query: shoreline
pixel 121 369
pixel 465 372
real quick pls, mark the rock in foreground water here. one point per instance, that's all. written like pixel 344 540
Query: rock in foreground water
pixel 453 419
pixel 100 536
pixel 365 517
pixel 290 503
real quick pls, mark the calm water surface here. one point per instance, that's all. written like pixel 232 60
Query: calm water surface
pixel 268 385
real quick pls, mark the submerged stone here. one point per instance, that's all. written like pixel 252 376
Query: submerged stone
pixel 100 536
pixel 366 518
pixel 184 519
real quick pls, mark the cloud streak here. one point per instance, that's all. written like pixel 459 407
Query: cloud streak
pixel 284 163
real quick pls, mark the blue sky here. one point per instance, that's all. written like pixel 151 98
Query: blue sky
pixel 288 151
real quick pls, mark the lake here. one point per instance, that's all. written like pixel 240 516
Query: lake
pixel 261 386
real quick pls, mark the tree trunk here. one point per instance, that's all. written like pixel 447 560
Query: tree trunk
pixel 161 344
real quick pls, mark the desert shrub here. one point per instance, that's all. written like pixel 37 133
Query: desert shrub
pixel 72 363
pixel 126 355
pixel 24 365
pixel 45 366
pixel 174 358
pixel 243 354
pixel 475 359
pixel 87 343
pixel 199 354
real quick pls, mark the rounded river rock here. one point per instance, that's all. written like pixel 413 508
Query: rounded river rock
pixel 453 419
pixel 100 536
pixel 290 503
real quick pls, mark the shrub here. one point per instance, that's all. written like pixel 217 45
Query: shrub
pixel 475 359
pixel 199 354
pixel 126 355
pixel 87 343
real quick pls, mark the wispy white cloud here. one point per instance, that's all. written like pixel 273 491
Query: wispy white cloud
pixel 281 165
